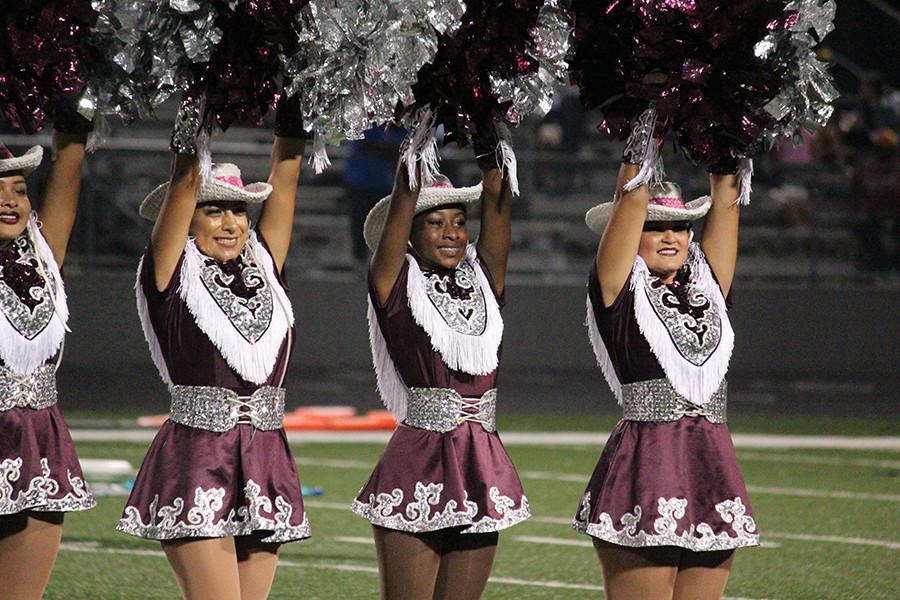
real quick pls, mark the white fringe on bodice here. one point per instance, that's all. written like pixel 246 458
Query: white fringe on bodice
pixel 20 354
pixel 696 382
pixel 253 361
pixel 473 354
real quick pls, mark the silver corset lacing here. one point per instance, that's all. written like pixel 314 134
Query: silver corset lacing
pixel 656 400
pixel 220 409
pixel 37 390
pixel 444 409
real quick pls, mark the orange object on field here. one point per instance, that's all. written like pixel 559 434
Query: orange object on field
pixel 316 418
pixel 338 418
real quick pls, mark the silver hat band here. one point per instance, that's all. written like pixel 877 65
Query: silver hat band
pixel 444 409
pixel 657 401
pixel 37 390
pixel 220 409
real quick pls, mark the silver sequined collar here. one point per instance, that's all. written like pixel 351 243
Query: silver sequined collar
pixel 25 296
pixel 692 320
pixel 457 297
pixel 241 292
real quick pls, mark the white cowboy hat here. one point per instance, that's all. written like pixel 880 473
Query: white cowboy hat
pixel 440 193
pixel 26 163
pixel 666 204
pixel 225 185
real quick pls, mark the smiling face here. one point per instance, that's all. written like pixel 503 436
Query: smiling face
pixel 14 206
pixel 439 237
pixel 220 229
pixel 664 247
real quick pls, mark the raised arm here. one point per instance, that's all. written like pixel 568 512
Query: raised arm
pixel 720 232
pixel 57 212
pixel 276 223
pixel 391 251
pixel 170 232
pixel 494 238
pixel 621 239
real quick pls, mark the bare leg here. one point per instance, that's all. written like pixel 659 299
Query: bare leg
pixel 466 563
pixel 703 575
pixel 637 573
pixel 206 569
pixel 28 545
pixel 256 566
pixel 408 563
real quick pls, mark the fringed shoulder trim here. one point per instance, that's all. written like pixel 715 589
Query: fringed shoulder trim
pixel 391 388
pixel 601 353
pixel 463 346
pixel 143 310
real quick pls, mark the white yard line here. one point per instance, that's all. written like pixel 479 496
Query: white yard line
pixel 536 438
pixel 844 495
pixel 744 456
pixel 327 505
pixel 809 537
pixel 349 539
pixel 553 541
pixel 807 459
pixel 548 476
pixel 583 478
pixel 335 463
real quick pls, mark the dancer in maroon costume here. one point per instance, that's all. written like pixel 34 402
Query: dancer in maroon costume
pixel 40 477
pixel 218 486
pixel 667 504
pixel 444 486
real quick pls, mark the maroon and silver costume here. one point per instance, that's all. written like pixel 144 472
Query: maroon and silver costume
pixel 39 469
pixel 668 475
pixel 436 346
pixel 221 465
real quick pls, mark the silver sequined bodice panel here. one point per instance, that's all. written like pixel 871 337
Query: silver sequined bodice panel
pixel 25 295
pixel 692 320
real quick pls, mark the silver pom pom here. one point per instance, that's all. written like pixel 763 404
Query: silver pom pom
pixel 360 59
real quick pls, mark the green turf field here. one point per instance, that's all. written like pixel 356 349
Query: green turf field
pixel 829 520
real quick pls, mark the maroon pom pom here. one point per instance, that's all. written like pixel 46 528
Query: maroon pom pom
pixel 44 59
pixel 494 38
pixel 241 78
pixel 695 60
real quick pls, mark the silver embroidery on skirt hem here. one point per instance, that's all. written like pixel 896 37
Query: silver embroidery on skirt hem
pixel 167 523
pixel 38 496
pixel 698 537
pixel 416 517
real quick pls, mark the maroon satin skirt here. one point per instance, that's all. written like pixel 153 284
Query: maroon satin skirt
pixel 427 481
pixel 198 483
pixel 39 469
pixel 668 484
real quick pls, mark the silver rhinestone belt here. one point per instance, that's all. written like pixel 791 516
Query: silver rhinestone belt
pixel 219 409
pixel 656 400
pixel 443 409
pixel 37 391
